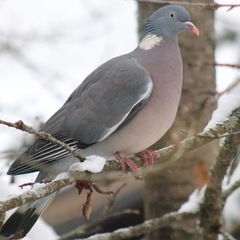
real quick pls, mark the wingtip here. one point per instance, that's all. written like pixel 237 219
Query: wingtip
pixel 13 168
pixel 21 165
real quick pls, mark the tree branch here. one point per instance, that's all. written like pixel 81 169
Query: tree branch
pixel 230 190
pixel 198 4
pixel 228 127
pixel 37 193
pixel 211 208
pixel 43 135
pixel 145 227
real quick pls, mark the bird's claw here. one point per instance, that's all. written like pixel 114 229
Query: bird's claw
pixel 148 157
pixel 125 161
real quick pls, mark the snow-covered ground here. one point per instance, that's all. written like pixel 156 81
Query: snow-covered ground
pixel 48 47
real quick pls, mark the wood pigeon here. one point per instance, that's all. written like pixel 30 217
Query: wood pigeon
pixel 121 108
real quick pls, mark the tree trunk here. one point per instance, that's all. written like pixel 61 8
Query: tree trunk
pixel 167 189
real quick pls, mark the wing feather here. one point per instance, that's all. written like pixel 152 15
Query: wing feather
pixel 107 99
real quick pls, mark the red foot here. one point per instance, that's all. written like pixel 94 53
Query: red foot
pixel 148 157
pixel 126 161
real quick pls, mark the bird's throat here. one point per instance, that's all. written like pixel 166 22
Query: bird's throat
pixel 150 41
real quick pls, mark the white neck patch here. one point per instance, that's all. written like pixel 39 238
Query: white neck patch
pixel 150 41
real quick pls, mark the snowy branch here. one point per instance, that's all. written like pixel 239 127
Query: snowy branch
pixel 230 126
pixel 35 193
pixel 211 208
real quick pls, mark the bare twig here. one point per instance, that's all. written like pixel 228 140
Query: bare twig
pixel 230 190
pixel 111 202
pixel 145 227
pixel 226 65
pixel 229 88
pixel 212 64
pixel 94 227
pixel 43 135
pixel 198 4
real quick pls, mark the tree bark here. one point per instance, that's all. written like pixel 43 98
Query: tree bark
pixel 166 190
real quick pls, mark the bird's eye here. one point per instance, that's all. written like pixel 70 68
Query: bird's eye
pixel 171 15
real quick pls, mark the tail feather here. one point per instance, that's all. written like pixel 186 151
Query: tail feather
pixel 22 220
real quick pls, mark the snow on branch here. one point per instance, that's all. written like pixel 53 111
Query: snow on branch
pixel 211 208
pixel 226 105
pixel 37 193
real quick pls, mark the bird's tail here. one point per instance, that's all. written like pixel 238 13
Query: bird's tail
pixel 22 220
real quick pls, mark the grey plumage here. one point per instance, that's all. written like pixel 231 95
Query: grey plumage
pixel 125 106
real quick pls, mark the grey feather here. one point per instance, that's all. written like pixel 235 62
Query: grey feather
pixel 94 110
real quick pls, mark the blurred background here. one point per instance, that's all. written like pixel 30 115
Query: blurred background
pixel 47 48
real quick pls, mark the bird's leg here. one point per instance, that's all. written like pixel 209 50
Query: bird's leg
pixel 80 185
pixel 148 157
pixel 126 161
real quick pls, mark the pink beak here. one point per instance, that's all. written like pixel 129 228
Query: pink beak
pixel 192 28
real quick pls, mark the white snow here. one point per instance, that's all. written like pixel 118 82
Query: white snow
pixel 232 207
pixel 40 229
pixel 61 176
pixel 231 210
pixel 225 107
pixel 92 163
pixel 192 205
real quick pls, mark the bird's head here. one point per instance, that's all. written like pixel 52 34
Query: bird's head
pixel 167 22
